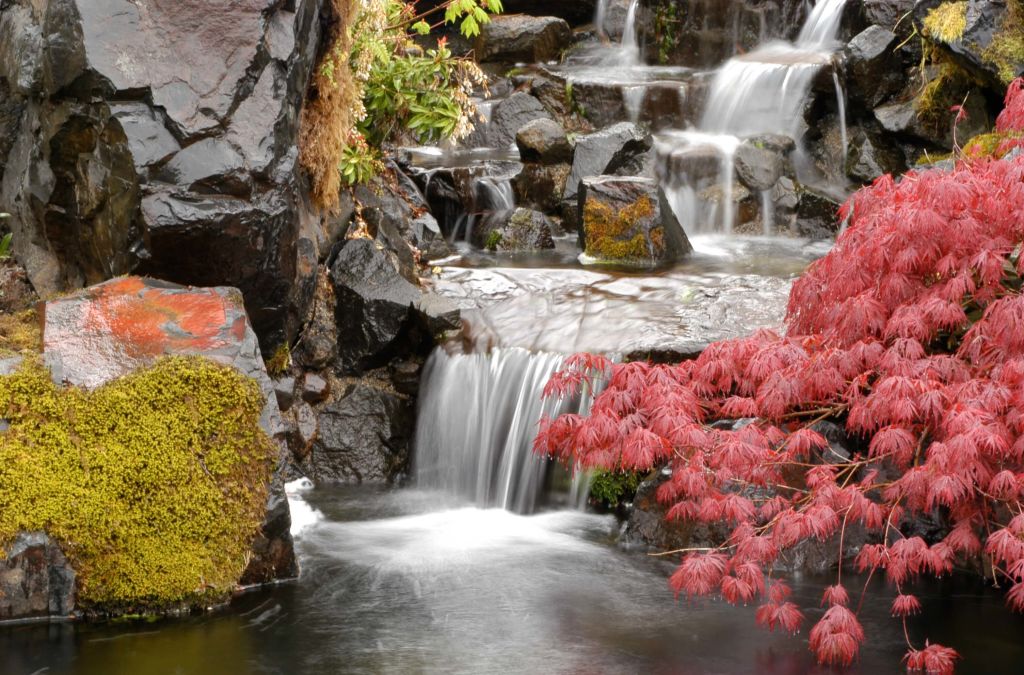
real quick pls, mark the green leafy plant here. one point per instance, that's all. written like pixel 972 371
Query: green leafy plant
pixel 374 84
pixel 5 241
pixel 612 488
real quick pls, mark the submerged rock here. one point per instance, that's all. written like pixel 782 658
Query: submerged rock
pixel 628 221
pixel 518 38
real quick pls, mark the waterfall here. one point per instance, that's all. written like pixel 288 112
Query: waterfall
pixel 478 415
pixel 630 43
pixel 599 16
pixel 761 92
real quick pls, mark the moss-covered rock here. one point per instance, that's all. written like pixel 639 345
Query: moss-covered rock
pixel 154 485
pixel 627 221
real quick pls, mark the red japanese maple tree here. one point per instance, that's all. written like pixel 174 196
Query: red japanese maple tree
pixel 910 332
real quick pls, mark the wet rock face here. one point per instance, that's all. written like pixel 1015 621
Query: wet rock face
pixel 362 435
pixel 379 313
pixel 519 38
pixel 511 115
pixel 110 330
pixel 36 580
pixel 874 72
pixel 628 221
pixel 985 25
pixel 598 151
pixel 543 141
pixel 159 138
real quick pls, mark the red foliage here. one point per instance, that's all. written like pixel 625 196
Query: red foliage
pixel 910 332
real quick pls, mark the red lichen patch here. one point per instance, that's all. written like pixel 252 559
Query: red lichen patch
pixel 127 322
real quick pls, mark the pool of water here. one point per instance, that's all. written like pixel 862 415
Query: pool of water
pixel 412 582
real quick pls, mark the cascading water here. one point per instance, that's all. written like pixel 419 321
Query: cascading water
pixel 763 92
pixel 477 418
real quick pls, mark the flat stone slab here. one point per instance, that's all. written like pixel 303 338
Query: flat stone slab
pixel 570 310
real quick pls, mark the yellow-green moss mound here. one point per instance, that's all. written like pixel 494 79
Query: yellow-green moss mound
pixel 154 484
pixel 947 22
pixel 1006 52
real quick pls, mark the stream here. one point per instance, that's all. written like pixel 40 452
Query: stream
pixel 412 581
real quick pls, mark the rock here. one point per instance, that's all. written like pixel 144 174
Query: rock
pixel 134 136
pixel 759 165
pixel 386 313
pixel 885 13
pixel 595 152
pixel 110 330
pixel 816 215
pixel 16 293
pixel 870 157
pixel 315 388
pixel 525 231
pixel 284 390
pixel 511 115
pixel 903 119
pixel 628 221
pixel 576 12
pixel 518 38
pixel 317 346
pixel 613 23
pixel 543 141
pixel 36 580
pixel 874 72
pixel 405 376
pixel 986 46
pixel 541 187
pixel 363 436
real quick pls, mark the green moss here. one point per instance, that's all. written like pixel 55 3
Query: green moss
pixel 19 333
pixel 280 360
pixel 991 145
pixel 613 488
pixel 154 484
pixel 947 22
pixel 1006 52
pixel 610 233
pixel 949 88
pixel 493 240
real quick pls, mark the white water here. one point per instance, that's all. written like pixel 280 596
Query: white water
pixel 763 92
pixel 477 419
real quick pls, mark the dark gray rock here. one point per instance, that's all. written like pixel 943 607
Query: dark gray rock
pixel 133 137
pixel 886 13
pixel 36 579
pixel 511 115
pixel 759 165
pixel 627 221
pixel 518 38
pixel 874 72
pixel 363 436
pixel 284 390
pixel 543 141
pixel 383 314
pixel 541 187
pixel 525 231
pixel 816 215
pixel 597 151
pixel 870 156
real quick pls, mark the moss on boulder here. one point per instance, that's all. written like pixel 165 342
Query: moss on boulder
pixel 154 485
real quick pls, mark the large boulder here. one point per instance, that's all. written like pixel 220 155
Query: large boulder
pixel 109 331
pixel 761 161
pixel 518 38
pixel 627 221
pixel 160 138
pixel 386 314
pixel 597 151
